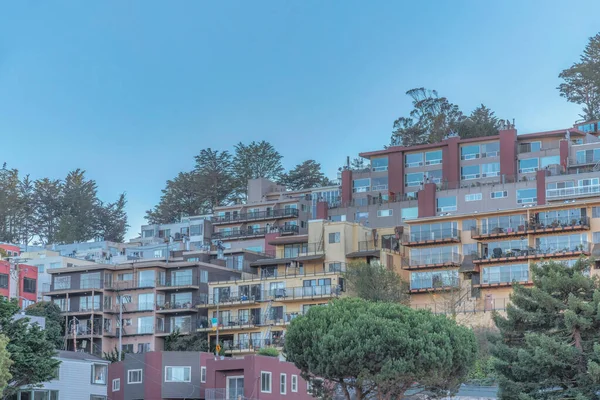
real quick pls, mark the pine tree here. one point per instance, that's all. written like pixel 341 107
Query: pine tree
pixel 550 337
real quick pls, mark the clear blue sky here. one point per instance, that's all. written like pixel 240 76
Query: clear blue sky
pixel 131 90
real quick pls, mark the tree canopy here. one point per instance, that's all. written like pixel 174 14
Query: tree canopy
pixel 57 211
pixel 306 175
pixel 193 342
pixel 550 337
pixel 434 117
pixel 379 349
pixel 255 160
pixel 582 81
pixel 5 363
pixel 30 350
pixel 55 324
pixel 375 282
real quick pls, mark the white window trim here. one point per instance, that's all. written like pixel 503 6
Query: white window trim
pixel 118 384
pixel 476 197
pixel 270 382
pixel 283 383
pixel 178 366
pixel 294 383
pixel 129 371
pixel 390 213
pixel 203 374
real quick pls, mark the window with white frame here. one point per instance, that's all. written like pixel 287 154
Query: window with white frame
pixel 178 374
pixel 433 157
pixel 413 160
pixel 99 373
pixel 413 179
pixel 491 169
pixel 491 149
pixel 445 204
pixel 62 282
pixel 434 176
pixel 334 237
pixel 410 213
pixel 203 374
pixel 379 164
pixel 469 152
pixel 361 215
pixel 499 194
pixel 473 197
pixel 361 185
pixel 550 160
pixel 385 213
pixel 526 196
pixel 282 383
pixel 134 376
pixel 265 382
pixel 116 385
pixel 527 165
pixel 469 172
pixel 294 383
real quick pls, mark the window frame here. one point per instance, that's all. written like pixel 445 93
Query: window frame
pixel 129 371
pixel 26 279
pixel 283 383
pixel 294 384
pixel 202 374
pixel 93 382
pixel 262 375
pixel 336 237
pixel 184 367
pixel 473 197
pixel 390 213
pixel 118 384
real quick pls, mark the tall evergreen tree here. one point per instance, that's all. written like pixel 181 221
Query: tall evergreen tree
pixel 549 347
pixel 481 122
pixel 181 197
pixel 582 81
pixel 79 206
pixel 306 175
pixel 216 181
pixel 48 202
pixel 255 160
pixel 112 220
pixel 9 204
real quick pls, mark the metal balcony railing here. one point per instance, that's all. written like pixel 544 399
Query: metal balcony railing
pixel 434 235
pixel 252 344
pixel 434 284
pixel 132 284
pixel 178 282
pixel 541 224
pixel 91 284
pixel 558 248
pixel 433 259
pixel 306 249
pixel 130 307
pixel 367 245
pixel 256 216
pixel 302 292
pixel 182 305
pixel 573 191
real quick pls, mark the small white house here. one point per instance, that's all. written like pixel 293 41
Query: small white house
pixel 80 376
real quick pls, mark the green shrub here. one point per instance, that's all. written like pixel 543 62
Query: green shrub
pixel 269 352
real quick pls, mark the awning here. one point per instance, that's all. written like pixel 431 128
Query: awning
pixel 368 253
pixel 289 240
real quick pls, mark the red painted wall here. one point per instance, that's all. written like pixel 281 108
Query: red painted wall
pixel 396 173
pixel 540 181
pixel 564 154
pixel 5 269
pixel 11 248
pixel 426 201
pixel 322 210
pixel 27 271
pixel 116 371
pixel 508 153
pixel 346 186
pixel 153 376
pixel 451 163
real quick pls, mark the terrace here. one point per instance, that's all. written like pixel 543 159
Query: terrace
pixel 255 216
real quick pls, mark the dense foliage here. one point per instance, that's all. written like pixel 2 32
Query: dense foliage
pixel 380 349
pixel 55 324
pixel 192 342
pixel 5 363
pixel 582 81
pixel 57 211
pixel 550 337
pixel 375 282
pixel 29 348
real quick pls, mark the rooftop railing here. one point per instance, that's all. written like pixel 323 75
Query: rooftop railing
pixel 256 215
pixel 250 232
pixel 307 249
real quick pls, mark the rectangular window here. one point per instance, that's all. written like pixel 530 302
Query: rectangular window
pixel 294 383
pixel 506 274
pixel 178 374
pixel 29 285
pixel 40 267
pixel 361 216
pixel 134 376
pixel 528 165
pixel 145 325
pixel 413 160
pixel 413 179
pixel 491 149
pixel 282 383
pixel 491 169
pixel 469 152
pixel 380 183
pixel 143 347
pixel 4 281
pixel 196 230
pixel 116 385
pixel 99 373
pixel 433 176
pixel 148 233
pixel 361 185
pixel 469 224
pixel 469 172
pixel 385 213
pixel 548 161
pixel 334 237
pixel 55 265
pixel 590 156
pixel 379 164
pixel 446 204
pixel 595 212
pixel 265 382
pixel 433 157
pixel 90 281
pixel 410 213
pixel 203 276
pixel 438 279
pixel 526 196
pixel 473 197
pixel 203 374
pixel 499 194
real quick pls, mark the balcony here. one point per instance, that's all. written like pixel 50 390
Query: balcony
pixel 130 285
pixel 181 307
pixel 291 272
pixel 439 261
pixel 255 232
pixel 131 331
pixel 251 345
pixel 84 331
pixel 503 255
pixel 428 285
pixel 255 216
pixel 561 250
pixel 440 236
pixel 178 283
pixel 57 288
pixel 485 233
pixel 230 323
pixel 294 253
pixel 184 328
pixel 542 225
pixel 84 310
pixel 234 298
pixel 577 191
pixel 535 147
pixel 301 293
pixel 130 307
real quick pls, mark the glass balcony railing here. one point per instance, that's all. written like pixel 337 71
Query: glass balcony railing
pixel 437 259
pixel 448 234
pixel 587 190
pixel 256 216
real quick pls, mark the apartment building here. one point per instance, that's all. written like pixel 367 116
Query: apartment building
pixel 10 250
pixel 296 273
pixel 194 375
pixel 194 230
pixel 457 175
pixel 102 252
pixel 19 281
pixel 468 263
pixel 155 298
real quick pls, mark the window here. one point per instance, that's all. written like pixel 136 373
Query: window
pixel 55 265
pixel 413 160
pixel 334 237
pixel 506 274
pixel 550 160
pixel 490 149
pixel 595 212
pixel 143 347
pixel 145 325
pixel 148 233
pixel 283 383
pixel 127 348
pixel 29 285
pixel 294 383
pixel 203 374
pixel 4 281
pixel 469 172
pixel 426 280
pixel 469 152
pixel 265 382
pixel 588 156
pixel 99 372
pixel 196 230
pixel 433 255
pixel 40 267
pixel 361 185
pixel 178 374
pixel 445 204
pixel 90 281
pixel 361 215
pixel 469 224
pixel 596 237
pixel 433 157
pixel 588 182
pixel 499 194
pixel 469 249
pixel 203 276
pixel 473 197
pixel 526 196
pixel 410 213
pixel 385 213
pixel 413 179
pixel 95 397
pixel 379 164
pixel 380 183
pixel 491 169
pixel 116 385
pixel 134 376
pixel 146 278
pixel 527 165
pixel 434 176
